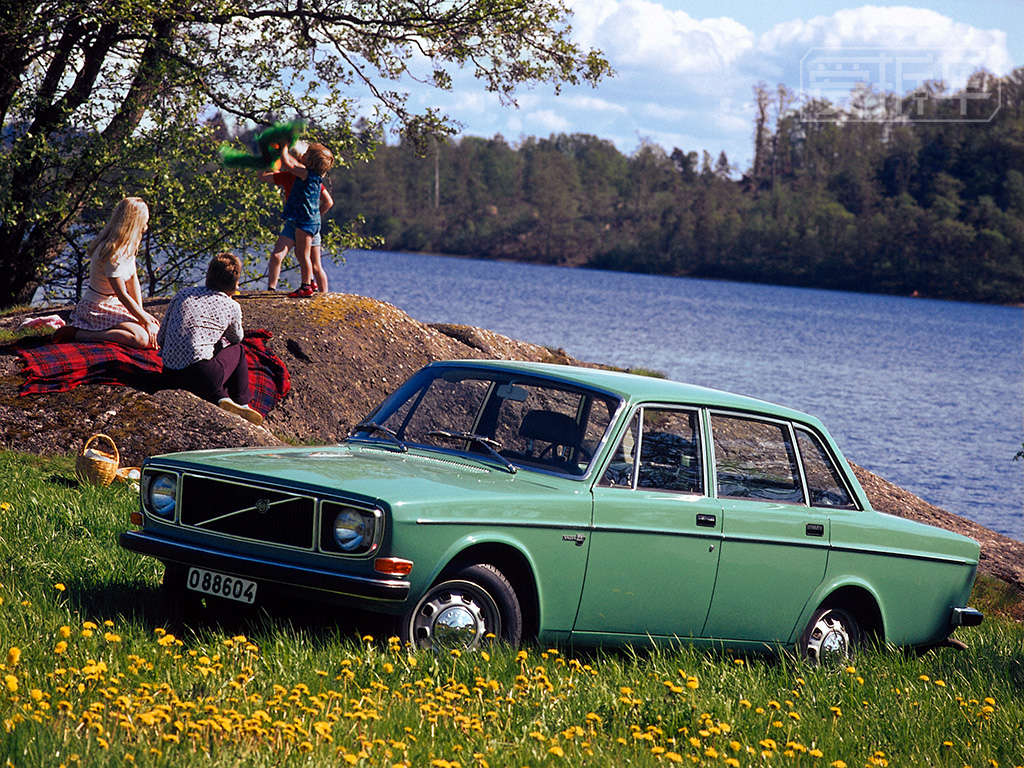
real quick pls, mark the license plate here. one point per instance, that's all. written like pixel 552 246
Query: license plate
pixel 228 587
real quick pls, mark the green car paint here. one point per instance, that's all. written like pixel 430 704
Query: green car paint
pixel 568 505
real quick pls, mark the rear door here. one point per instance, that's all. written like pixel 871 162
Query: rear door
pixel 774 545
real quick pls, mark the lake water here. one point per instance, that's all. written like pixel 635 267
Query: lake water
pixel 927 394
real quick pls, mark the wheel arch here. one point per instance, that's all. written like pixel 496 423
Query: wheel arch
pixel 860 603
pixel 514 566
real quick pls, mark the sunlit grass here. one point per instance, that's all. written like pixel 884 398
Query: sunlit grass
pixel 95 672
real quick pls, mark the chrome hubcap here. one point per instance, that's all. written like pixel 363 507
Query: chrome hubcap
pixel 829 641
pixel 454 618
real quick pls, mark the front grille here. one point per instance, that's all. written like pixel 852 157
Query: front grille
pixel 248 512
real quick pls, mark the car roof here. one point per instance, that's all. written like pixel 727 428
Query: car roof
pixel 635 388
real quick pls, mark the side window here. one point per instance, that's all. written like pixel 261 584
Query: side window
pixel 824 482
pixel 619 473
pixel 669 452
pixel 755 460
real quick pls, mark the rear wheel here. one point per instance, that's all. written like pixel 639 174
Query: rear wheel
pixel 465 609
pixel 831 637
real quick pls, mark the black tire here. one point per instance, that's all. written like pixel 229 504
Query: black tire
pixel 832 637
pixel 463 610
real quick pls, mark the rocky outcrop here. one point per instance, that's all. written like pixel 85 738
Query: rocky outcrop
pixel 344 354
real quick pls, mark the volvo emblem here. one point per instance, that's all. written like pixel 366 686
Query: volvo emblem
pixel 262 506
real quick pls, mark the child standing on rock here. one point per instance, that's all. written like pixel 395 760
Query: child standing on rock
pixel 302 210
pixel 285 180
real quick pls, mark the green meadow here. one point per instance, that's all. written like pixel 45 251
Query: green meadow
pixel 97 671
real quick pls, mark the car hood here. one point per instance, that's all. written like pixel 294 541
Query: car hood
pixel 380 474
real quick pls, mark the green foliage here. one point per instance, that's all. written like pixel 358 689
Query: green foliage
pixel 94 671
pixel 916 208
pixel 102 100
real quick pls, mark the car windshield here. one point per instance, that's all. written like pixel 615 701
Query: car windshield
pixel 520 421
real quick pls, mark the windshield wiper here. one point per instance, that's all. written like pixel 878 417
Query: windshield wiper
pixel 369 426
pixel 490 445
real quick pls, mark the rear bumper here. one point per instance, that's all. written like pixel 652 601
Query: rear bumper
pixel 282 576
pixel 965 617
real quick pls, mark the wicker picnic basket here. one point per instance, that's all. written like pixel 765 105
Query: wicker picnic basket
pixel 96 465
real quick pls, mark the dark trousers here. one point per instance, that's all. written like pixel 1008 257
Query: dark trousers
pixel 225 375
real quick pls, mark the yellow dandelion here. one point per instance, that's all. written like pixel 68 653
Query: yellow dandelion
pixel 557 751
pixel 940 683
pixel 59 587
pixel 836 711
pixel 110 637
pixel 13 657
pixel 5 506
pixel 11 682
pixel 745 704
pixel 851 670
pixel 816 753
pixel 923 678
pixel 64 632
pixel 837 764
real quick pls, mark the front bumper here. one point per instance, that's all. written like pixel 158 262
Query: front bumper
pixel 282 577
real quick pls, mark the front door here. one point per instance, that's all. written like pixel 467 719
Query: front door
pixel 655 542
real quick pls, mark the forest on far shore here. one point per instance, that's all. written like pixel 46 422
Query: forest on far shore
pixel 915 195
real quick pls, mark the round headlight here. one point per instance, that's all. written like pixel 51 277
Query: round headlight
pixel 352 530
pixel 163 495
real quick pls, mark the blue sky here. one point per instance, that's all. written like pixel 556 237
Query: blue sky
pixel 686 69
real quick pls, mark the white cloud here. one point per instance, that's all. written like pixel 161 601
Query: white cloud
pixel 644 34
pixel 688 82
pixel 957 49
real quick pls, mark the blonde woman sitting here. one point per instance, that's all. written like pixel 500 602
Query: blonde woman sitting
pixel 111 307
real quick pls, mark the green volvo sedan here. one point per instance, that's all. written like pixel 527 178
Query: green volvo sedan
pixel 513 501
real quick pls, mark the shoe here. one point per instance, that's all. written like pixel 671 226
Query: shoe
pixel 313 285
pixel 244 411
pixel 302 292
pixel 64 334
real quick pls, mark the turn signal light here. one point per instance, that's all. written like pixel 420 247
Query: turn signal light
pixel 136 518
pixel 393 566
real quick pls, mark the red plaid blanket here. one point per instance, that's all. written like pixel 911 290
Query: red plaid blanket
pixel 59 367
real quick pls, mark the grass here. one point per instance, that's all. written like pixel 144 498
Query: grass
pixel 96 672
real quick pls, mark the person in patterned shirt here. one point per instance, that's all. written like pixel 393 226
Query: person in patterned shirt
pixel 200 341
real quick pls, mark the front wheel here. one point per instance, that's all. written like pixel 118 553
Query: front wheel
pixel 831 637
pixel 462 610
